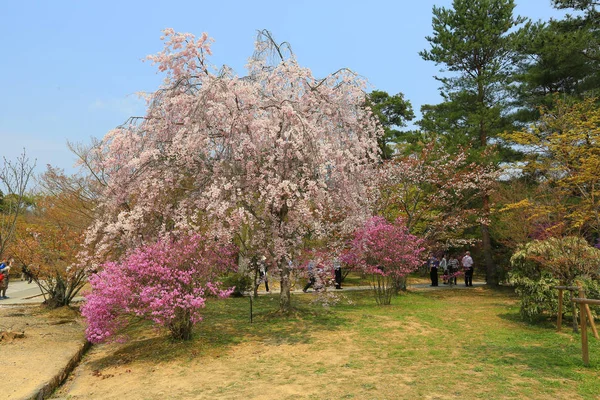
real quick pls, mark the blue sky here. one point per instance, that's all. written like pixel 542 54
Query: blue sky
pixel 69 70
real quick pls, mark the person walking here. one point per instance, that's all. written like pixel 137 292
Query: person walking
pixel 311 276
pixel 467 263
pixel 433 270
pixel 26 274
pixel 5 275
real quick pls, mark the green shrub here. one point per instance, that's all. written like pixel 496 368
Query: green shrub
pixel 242 283
pixel 537 294
pixel 538 298
pixel 592 291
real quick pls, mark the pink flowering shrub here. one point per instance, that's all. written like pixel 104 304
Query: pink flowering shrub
pixel 387 252
pixel 166 282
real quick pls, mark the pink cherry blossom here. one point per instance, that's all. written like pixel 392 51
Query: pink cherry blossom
pixel 267 158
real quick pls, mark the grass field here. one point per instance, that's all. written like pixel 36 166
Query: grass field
pixel 429 344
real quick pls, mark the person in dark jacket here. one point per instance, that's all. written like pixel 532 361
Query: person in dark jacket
pixel 434 263
pixel 337 269
pixel 311 276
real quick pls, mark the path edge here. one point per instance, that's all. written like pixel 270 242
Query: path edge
pixel 44 391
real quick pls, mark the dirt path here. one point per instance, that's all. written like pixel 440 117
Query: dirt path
pixel 36 345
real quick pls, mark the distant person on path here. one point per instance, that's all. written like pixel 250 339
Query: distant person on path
pixel 262 270
pixel 5 274
pixel 467 263
pixel 311 276
pixel 26 274
pixel 433 270
pixel 337 269
pixel 452 268
pixel 444 267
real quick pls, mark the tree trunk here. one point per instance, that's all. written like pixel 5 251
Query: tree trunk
pixel 490 268
pixel 181 328
pixel 284 295
pixel 255 282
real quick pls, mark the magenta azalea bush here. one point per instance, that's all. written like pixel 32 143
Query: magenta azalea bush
pixel 166 283
pixel 388 252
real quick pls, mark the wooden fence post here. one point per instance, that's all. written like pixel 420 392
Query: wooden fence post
pixel 584 338
pixel 591 319
pixel 571 289
pixel 582 301
pixel 588 312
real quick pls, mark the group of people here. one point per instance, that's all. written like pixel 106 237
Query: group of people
pixel 5 267
pixel 450 269
pixel 313 274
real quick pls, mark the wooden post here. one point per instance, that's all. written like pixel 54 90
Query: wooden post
pixel 560 310
pixel 584 338
pixel 574 306
pixel 591 318
pixel 588 312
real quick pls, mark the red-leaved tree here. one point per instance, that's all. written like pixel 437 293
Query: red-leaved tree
pixel 436 193
pixel 166 283
pixel 387 252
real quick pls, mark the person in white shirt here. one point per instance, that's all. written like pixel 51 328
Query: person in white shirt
pixel 444 267
pixel 467 263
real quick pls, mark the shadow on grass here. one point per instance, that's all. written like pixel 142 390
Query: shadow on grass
pixel 559 357
pixel 543 322
pixel 536 345
pixel 225 324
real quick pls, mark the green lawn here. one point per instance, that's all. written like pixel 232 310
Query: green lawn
pixel 430 344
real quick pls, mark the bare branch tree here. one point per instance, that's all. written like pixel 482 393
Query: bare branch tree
pixel 14 178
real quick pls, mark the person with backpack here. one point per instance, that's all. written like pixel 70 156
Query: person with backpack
pixel 2 266
pixel 5 272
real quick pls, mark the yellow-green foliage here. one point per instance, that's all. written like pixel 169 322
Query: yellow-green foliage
pixel 563 154
pixel 565 258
